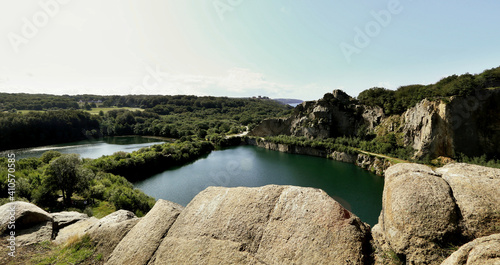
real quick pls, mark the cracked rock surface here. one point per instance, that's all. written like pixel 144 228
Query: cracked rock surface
pixel 265 225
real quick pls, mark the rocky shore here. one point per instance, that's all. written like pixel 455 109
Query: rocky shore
pixel 450 215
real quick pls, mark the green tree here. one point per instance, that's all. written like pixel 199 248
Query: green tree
pixel 67 174
pixel 49 155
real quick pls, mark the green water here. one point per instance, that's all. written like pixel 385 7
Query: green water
pixel 356 189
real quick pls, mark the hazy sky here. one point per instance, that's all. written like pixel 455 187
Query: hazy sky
pixel 293 49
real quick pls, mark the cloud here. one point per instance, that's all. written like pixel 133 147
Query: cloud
pixel 234 82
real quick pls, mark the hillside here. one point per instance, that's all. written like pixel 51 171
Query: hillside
pixel 445 119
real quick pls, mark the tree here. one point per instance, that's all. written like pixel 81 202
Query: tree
pixel 49 155
pixel 67 174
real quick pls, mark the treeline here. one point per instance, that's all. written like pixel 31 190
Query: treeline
pixel 168 121
pixel 398 101
pixel 159 104
pixel 387 144
pixel 41 128
pixel 145 162
pixel 183 116
pixel 12 102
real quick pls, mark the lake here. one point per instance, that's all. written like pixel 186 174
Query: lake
pixel 89 148
pixel 356 189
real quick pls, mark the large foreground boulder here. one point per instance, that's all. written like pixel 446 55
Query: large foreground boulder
pixel 266 225
pixel 477 192
pixel 424 212
pixel 418 214
pixel 482 251
pixel 141 242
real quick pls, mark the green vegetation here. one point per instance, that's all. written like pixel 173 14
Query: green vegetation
pixel 76 251
pixel 398 101
pixel 147 161
pixel 41 128
pixel 79 186
pixel 482 160
pixel 387 145
pixel 164 116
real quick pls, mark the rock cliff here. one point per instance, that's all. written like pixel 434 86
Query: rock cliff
pixel 468 125
pixel 336 114
pixel 442 127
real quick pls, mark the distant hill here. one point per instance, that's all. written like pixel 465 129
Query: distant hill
pixel 289 101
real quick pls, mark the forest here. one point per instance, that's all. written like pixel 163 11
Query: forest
pixel 172 116
pixel 398 101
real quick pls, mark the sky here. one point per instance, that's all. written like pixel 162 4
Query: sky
pixel 241 48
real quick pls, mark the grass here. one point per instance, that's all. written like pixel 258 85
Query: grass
pixel 96 111
pixel 102 209
pixel 75 251
pixel 78 250
pixel 393 160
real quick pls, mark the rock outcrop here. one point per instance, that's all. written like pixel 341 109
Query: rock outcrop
pixel 30 223
pixel 476 190
pixel 418 212
pixel 433 128
pixel 424 211
pixel 142 241
pixel 22 215
pixel 266 225
pixel 75 230
pixel 110 230
pixel 336 114
pixel 63 219
pixel 482 251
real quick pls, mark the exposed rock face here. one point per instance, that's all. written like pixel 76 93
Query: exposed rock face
pixel 63 219
pixel 292 149
pixel 141 242
pixel 38 233
pixel 418 212
pixel 336 114
pixel 110 230
pixel 271 127
pixel 344 157
pixel 374 164
pixel 25 215
pixel 77 229
pixel 424 210
pixel 477 192
pixel 468 125
pixel 267 225
pixel 425 127
pixel 482 251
